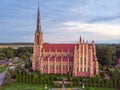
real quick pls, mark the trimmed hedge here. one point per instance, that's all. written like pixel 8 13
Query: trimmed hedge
pixel 37 78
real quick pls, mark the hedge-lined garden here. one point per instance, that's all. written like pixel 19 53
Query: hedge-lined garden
pixel 37 78
pixel 34 78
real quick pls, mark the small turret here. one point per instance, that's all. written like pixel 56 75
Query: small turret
pixel 83 40
pixel 80 39
pixel 87 41
pixel 93 41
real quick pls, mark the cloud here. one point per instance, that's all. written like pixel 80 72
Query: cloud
pixel 104 19
pixel 62 20
pixel 103 29
pixel 70 32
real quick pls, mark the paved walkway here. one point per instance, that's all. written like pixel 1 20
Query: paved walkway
pixel 66 89
pixel 1 77
pixel 63 87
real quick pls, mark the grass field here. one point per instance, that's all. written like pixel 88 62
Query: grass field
pixel 104 89
pixel 2 69
pixel 18 86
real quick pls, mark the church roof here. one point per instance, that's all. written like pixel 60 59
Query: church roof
pixel 59 47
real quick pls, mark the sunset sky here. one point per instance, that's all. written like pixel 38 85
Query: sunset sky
pixel 62 21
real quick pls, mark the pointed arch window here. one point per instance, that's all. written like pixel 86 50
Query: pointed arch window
pixel 81 60
pixel 85 60
pixel 84 69
pixel 81 69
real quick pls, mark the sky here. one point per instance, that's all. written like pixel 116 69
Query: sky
pixel 62 21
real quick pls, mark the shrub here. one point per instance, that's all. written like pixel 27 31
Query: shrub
pixel 7 78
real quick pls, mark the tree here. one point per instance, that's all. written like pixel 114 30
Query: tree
pixel 9 52
pixel 78 81
pixel 21 78
pixel 118 53
pixel 30 78
pixel 26 56
pixel 12 73
pixel 98 81
pixel 115 82
pixel 94 82
pixel 17 77
pixel 2 56
pixel 24 77
pixel 7 78
pixel 106 83
pixel 118 86
pixel 114 59
pixel 104 54
pixel 111 83
pixel 48 80
pixel 102 83
pixel 22 50
pixel 74 81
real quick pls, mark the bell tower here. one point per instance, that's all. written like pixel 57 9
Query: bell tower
pixel 38 42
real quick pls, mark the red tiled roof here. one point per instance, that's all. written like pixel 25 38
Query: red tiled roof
pixel 59 47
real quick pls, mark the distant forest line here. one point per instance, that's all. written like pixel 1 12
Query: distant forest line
pixel 31 43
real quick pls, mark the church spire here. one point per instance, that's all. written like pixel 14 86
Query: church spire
pixel 38 21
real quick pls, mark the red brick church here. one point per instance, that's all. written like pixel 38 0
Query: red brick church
pixel 77 59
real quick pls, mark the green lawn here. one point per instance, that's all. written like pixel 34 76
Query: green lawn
pixel 104 89
pixel 18 86
pixel 2 69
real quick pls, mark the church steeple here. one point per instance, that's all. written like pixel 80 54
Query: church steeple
pixel 38 33
pixel 38 29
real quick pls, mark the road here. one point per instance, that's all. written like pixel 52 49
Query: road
pixel 1 77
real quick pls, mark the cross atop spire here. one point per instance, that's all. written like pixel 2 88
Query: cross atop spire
pixel 38 21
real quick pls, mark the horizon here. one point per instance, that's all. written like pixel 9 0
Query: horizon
pixel 1 43
pixel 61 21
